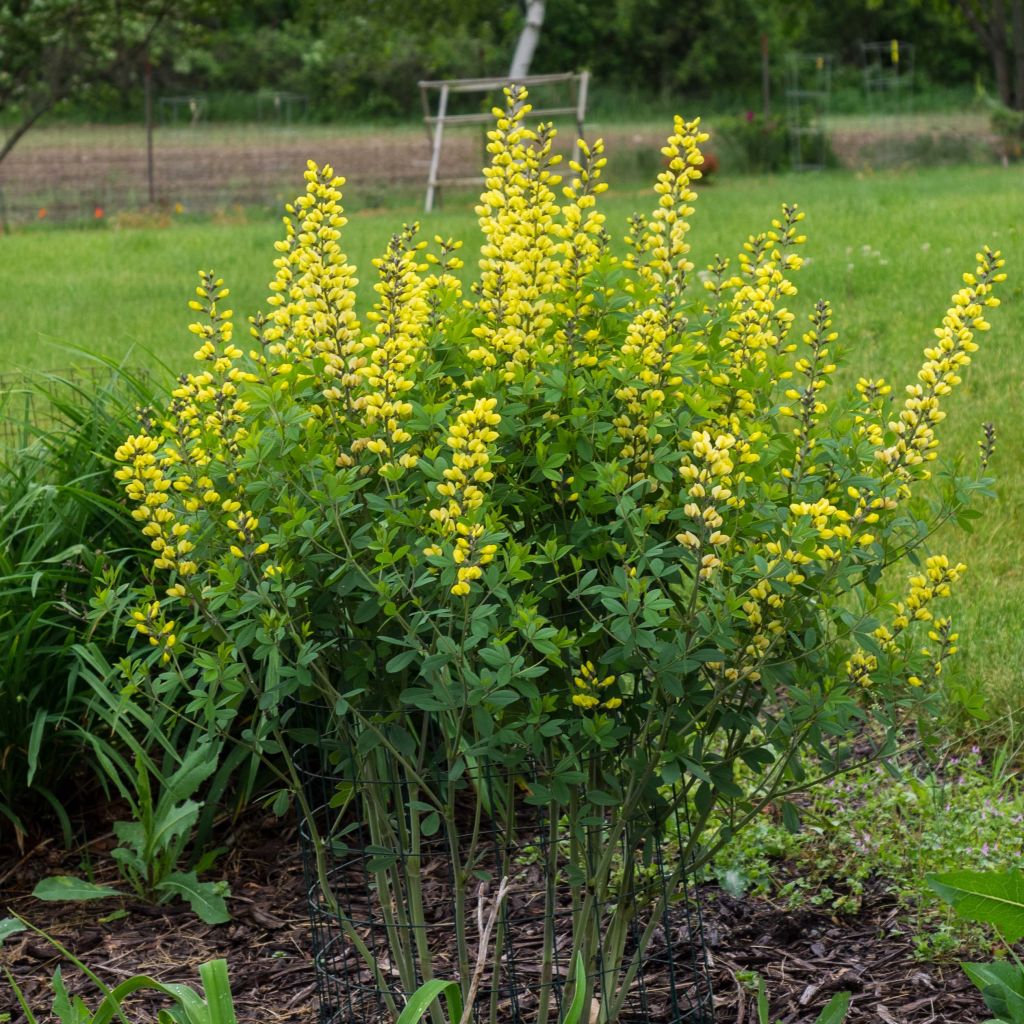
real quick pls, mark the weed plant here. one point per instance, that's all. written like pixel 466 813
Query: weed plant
pixel 890 826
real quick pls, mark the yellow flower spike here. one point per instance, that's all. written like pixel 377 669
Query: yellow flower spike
pixel 518 212
pixel 903 461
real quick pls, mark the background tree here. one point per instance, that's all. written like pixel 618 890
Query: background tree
pixel 363 58
pixel 366 56
pixel 529 36
pixel 53 50
pixel 999 26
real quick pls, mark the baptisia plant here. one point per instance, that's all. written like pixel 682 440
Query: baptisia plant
pixel 593 518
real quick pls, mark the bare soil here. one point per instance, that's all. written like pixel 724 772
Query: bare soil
pixel 77 172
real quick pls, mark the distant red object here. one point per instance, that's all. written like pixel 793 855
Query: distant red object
pixel 98 213
pixel 707 168
pixel 42 212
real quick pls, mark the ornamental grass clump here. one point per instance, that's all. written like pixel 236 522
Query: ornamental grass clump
pixel 595 518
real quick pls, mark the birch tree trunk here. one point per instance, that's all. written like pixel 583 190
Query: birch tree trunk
pixel 528 39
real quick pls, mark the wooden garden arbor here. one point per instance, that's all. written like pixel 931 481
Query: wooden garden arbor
pixel 436 114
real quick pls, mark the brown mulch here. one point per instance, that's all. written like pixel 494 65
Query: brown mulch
pixel 805 956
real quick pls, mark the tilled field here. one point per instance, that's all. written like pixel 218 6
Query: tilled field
pixel 86 173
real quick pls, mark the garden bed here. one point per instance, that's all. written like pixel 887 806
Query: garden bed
pixel 804 955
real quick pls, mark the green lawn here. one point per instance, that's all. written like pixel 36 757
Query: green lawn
pixel 887 249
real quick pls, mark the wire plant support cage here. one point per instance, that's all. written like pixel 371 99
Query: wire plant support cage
pixel 808 95
pixel 888 76
pixel 281 107
pixel 182 110
pixel 394 884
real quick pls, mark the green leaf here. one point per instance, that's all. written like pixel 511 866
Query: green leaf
pixel 419 1002
pixel 61 1005
pixel 217 990
pixel 35 742
pixel 193 771
pixel 999 972
pixel 401 660
pixel 575 1010
pixel 1002 987
pixel 187 999
pixel 10 926
pixel 25 1009
pixel 172 822
pixel 734 881
pixel 202 897
pixel 66 887
pixel 762 1002
pixel 989 897
pixel 790 817
pixel 835 1012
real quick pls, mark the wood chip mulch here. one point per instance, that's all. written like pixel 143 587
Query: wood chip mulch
pixel 805 956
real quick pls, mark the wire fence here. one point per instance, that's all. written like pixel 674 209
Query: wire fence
pixel 188 157
pixel 83 172
pixel 185 154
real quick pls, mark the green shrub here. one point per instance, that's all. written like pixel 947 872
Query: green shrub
pixel 587 519
pixel 749 144
pixel 1007 124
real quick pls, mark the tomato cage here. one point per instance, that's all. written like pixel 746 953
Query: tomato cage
pixel 399 884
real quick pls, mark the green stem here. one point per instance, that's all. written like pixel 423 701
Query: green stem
pixel 458 889
pixel 390 892
pixel 550 896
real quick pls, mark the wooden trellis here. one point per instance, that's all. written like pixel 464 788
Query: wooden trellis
pixel 435 118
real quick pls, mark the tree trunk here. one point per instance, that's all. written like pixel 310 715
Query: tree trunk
pixel 528 39
pixel 1001 67
pixel 988 21
pixel 1000 51
pixel 1018 54
pixel 14 136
